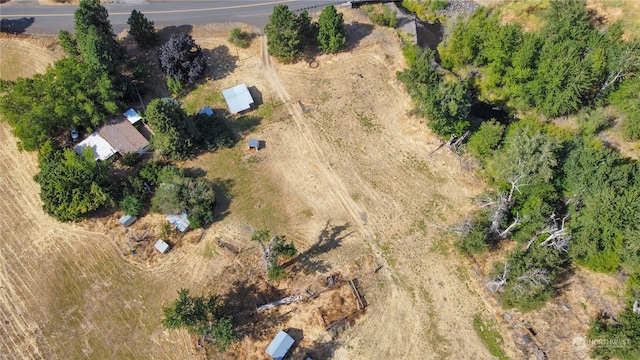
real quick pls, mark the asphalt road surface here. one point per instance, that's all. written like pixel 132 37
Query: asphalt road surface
pixel 30 17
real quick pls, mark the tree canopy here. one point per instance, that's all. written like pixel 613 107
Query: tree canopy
pixel 202 316
pixel 283 34
pixel 83 89
pixel 142 30
pixel 332 35
pixel 193 196
pixel 71 186
pixel 182 59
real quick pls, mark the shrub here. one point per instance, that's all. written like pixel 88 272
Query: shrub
pixel 239 38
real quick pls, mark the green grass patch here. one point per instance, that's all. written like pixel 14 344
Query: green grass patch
pixel 246 192
pixel 203 95
pixel 490 336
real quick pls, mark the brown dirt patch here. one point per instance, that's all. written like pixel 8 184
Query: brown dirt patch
pixel 23 56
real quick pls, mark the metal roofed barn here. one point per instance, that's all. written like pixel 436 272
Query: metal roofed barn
pixel 238 98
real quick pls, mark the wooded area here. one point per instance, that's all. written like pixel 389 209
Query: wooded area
pixel 563 196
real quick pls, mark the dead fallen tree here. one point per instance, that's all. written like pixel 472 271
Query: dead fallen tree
pixel 288 300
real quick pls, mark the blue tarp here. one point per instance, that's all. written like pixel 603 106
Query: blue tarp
pixel 206 110
pixel 280 345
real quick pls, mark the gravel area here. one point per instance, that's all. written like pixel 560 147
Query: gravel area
pixel 459 7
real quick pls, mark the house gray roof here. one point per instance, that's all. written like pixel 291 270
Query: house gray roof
pixel 238 98
pixel 123 137
pixel 102 150
pixel 280 345
pixel 254 143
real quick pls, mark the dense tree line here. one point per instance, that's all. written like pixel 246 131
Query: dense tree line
pixel 289 35
pixel 562 196
pixel 557 70
pixel 445 101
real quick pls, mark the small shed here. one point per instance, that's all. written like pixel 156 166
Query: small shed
pixel 162 246
pixel 254 144
pixel 127 220
pixel 238 98
pixel 132 116
pixel 280 345
pixel 180 221
pixel 207 110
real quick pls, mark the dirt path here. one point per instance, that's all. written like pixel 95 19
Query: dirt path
pixel 337 187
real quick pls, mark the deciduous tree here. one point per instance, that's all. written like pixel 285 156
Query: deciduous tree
pixel 181 58
pixel 71 185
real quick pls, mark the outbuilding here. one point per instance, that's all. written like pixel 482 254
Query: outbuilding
pixel 280 345
pixel 127 220
pixel 162 246
pixel 238 98
pixel 180 221
pixel 254 144
pixel 132 116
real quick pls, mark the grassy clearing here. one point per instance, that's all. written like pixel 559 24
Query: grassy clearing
pixel 246 191
pixel 490 336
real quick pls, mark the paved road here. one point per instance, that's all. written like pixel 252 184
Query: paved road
pixel 43 19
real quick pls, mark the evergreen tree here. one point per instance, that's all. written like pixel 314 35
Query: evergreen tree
pixel 142 30
pixel 332 35
pixel 283 34
pixel 173 131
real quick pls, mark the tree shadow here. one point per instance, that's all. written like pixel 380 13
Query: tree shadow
pixel 243 300
pixel 330 238
pixel 317 350
pixel 16 26
pixel 355 33
pixel 223 188
pixel 220 62
pixel 165 33
pixel 244 123
pixel 194 172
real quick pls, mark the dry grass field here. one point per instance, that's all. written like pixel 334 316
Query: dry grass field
pixel 345 174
